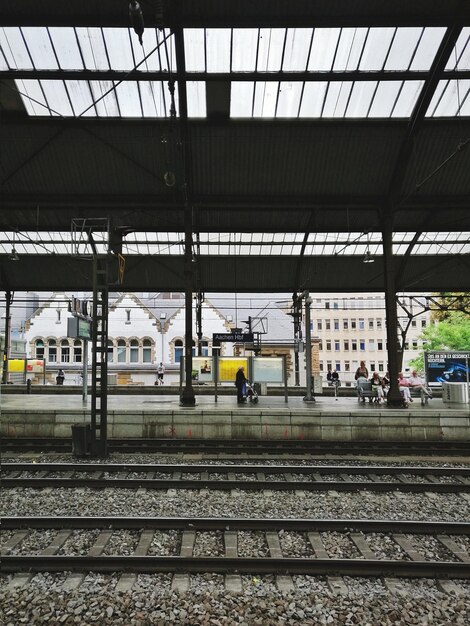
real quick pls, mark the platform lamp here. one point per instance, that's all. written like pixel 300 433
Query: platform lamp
pixel 368 258
pixel 14 254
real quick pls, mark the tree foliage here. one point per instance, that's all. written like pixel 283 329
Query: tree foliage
pixel 449 303
pixel 453 333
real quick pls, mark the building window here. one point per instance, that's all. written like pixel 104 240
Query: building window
pixel 362 344
pixel 64 351
pixel 371 345
pixel 39 349
pixel 361 324
pixel 110 353
pixel 327 305
pixel 372 367
pixel 319 325
pixel 378 323
pixel 371 323
pixel 338 366
pixel 204 348
pixel 77 351
pixel 406 346
pixel 146 351
pixel 58 316
pixel 328 366
pixel 414 344
pixel 353 345
pixel 347 366
pixel 178 350
pixel 321 366
pixel 320 347
pixel 381 366
pixel 345 324
pixel 327 324
pixel 52 351
pixel 353 324
pixel 335 305
pixel 423 323
pixel 346 345
pixel 337 346
pixel 328 345
pixel 380 345
pixel 134 351
pixel 128 316
pixel 121 351
pixel 413 323
pixel 336 324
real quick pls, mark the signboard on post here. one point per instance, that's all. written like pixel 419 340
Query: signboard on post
pixel 447 366
pixel 232 337
pixel 79 328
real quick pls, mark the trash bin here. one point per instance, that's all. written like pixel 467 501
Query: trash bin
pixel 455 393
pixel 81 436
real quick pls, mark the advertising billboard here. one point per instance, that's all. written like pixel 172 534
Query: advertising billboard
pixel 447 366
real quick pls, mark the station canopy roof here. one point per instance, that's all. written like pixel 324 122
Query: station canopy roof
pixel 282 133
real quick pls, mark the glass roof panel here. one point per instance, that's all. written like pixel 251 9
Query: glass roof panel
pixel 118 48
pixel 14 49
pixel 337 98
pixel 448 99
pixel 324 45
pixel 296 49
pixel 385 97
pixel 194 49
pixel 265 99
pixel 218 43
pixel 350 47
pixel 40 47
pixel 376 48
pixel 245 43
pixel 407 98
pixel 427 48
pixel 129 100
pixel 289 99
pixel 66 47
pixel 57 97
pixel 361 97
pixel 80 96
pixel 108 106
pixel 241 99
pixel 35 96
pixel 312 99
pixel 3 61
pixel 403 48
pixel 196 92
pixel 93 49
pixel 271 44
pixel 460 57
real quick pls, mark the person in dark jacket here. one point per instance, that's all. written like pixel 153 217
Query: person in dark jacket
pixel 60 377
pixel 240 384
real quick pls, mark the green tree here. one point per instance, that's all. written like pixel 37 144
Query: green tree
pixel 451 334
pixel 449 302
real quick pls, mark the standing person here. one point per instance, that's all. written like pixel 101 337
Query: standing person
pixel 160 373
pixel 60 377
pixel 362 371
pixel 240 384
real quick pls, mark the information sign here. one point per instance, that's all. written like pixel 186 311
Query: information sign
pixel 233 337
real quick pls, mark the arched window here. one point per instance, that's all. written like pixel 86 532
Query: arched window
pixel 39 349
pixel 204 348
pixel 77 351
pixel 110 350
pixel 52 351
pixel 146 351
pixel 178 350
pixel 194 349
pixel 121 351
pixel 64 351
pixel 134 351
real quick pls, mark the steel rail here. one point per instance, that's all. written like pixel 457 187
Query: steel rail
pixel 266 565
pixel 217 523
pixel 258 446
pixel 226 468
pixel 243 485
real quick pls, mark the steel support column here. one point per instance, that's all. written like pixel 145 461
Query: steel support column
pixel 187 396
pixel 308 349
pixel 393 397
pixel 6 345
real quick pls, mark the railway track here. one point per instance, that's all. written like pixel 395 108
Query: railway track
pixel 237 476
pixel 233 447
pixel 317 535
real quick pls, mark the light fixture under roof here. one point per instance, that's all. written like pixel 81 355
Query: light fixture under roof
pixel 368 258
pixel 14 255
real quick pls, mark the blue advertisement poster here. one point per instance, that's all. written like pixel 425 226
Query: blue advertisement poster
pixel 452 367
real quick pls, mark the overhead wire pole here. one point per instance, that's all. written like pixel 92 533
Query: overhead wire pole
pixel 7 342
pixel 187 395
